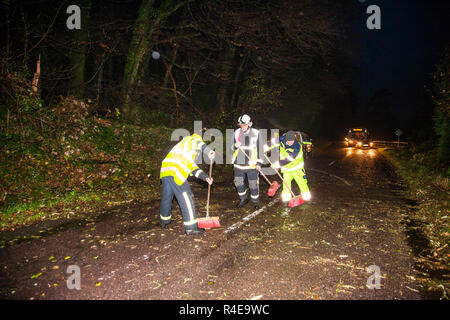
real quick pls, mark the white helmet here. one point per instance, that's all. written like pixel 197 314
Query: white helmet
pixel 245 119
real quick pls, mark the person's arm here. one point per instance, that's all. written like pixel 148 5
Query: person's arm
pixel 207 150
pixel 272 144
pixel 296 148
pixel 199 174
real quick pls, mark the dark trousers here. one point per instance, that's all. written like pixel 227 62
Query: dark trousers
pixel 253 183
pixel 185 199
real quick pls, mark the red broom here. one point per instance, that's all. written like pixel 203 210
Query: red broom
pixel 209 222
pixel 273 185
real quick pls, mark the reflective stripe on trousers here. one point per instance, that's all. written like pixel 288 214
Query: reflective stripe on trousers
pixel 300 179
pixel 185 199
pixel 253 183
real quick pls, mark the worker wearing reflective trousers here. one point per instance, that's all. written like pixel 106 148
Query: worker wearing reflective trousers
pixel 246 140
pixel 175 169
pixel 292 165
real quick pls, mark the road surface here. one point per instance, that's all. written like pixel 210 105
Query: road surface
pixel 330 248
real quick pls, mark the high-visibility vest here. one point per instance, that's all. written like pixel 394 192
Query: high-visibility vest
pixel 251 149
pixel 179 163
pixel 296 163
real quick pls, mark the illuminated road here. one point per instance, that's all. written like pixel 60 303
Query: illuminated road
pixel 319 250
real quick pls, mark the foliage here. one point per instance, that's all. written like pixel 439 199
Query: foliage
pixel 429 188
pixel 258 97
pixel 66 159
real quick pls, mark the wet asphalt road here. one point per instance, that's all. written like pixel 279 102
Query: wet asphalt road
pixel 320 250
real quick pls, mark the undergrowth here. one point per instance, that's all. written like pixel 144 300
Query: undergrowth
pixel 429 187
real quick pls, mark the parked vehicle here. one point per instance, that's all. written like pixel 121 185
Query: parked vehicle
pixel 306 143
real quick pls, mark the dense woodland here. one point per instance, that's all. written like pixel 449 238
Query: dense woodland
pixel 169 62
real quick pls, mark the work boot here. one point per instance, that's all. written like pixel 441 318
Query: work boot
pixel 242 203
pixel 195 231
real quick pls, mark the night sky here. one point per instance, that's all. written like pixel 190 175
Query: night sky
pixel 402 55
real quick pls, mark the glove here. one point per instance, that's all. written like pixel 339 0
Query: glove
pixel 266 148
pixel 276 165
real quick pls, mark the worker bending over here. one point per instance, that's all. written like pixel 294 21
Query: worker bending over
pixel 292 165
pixel 178 165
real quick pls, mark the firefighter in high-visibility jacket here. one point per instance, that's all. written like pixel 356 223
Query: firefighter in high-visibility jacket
pixel 246 140
pixel 178 165
pixel 291 164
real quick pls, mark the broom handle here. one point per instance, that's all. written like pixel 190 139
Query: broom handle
pixel 271 164
pixel 209 188
pixel 258 170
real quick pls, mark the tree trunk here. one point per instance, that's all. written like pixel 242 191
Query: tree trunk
pixel 147 23
pixel 237 81
pixel 170 66
pixel 35 82
pixel 78 55
pixel 100 79
pixel 138 49
pixel 226 74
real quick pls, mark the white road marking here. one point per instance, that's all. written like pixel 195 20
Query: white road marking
pixel 339 178
pixel 250 216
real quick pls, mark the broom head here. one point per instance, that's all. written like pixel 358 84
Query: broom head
pixel 296 201
pixel 209 222
pixel 273 188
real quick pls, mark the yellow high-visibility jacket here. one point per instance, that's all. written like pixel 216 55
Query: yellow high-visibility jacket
pixel 180 162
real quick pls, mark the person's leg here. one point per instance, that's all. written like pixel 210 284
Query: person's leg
pixel 239 183
pixel 185 199
pixel 285 193
pixel 253 184
pixel 300 178
pixel 166 201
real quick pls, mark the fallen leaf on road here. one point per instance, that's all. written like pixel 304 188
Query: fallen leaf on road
pixel 187 279
pixel 36 275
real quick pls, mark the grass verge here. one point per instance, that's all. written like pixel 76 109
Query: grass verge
pixel 73 172
pixel 429 189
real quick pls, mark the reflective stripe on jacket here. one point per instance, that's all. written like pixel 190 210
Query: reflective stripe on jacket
pixel 249 144
pixel 179 163
pixel 291 157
